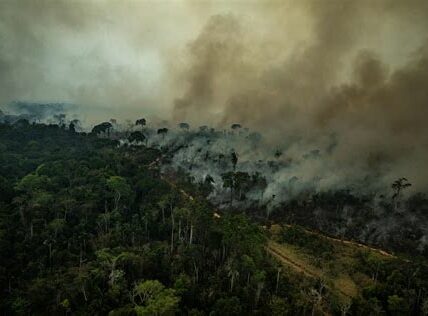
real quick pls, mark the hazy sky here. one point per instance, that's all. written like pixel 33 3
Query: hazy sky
pixel 357 69
pixel 143 55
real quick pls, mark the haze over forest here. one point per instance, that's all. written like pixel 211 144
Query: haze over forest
pixel 213 157
pixel 301 72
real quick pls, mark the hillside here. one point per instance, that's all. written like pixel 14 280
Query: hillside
pixel 349 270
pixel 92 227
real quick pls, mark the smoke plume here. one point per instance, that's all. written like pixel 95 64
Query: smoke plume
pixel 346 79
pixel 343 71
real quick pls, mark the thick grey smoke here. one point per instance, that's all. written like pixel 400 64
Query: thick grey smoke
pixel 338 87
pixel 108 57
pixel 344 78
pixel 353 69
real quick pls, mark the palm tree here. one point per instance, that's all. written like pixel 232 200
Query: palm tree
pixel 398 186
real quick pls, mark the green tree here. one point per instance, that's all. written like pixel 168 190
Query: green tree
pixel 120 188
pixel 137 137
pixel 184 126
pixel 162 131
pixel 397 305
pixel 227 306
pixel 142 122
pixel 152 298
pixel 104 127
pixel 279 306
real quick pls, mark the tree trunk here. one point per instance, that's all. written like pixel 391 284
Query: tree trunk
pixel 196 272
pixel 179 230
pixel 84 293
pixel 277 281
pixel 116 201
pixel 80 258
pixel 172 231
pixel 223 255
pixel 22 215
pixel 260 286
pixel 191 234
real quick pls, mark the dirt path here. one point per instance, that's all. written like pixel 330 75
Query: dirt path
pixel 347 242
pixel 277 252
pixel 157 161
pixel 155 164
pixel 274 250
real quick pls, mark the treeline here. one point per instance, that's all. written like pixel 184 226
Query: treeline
pixel 397 224
pixel 90 228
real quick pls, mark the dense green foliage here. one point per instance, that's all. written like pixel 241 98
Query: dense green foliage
pixel 388 284
pixel 88 227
